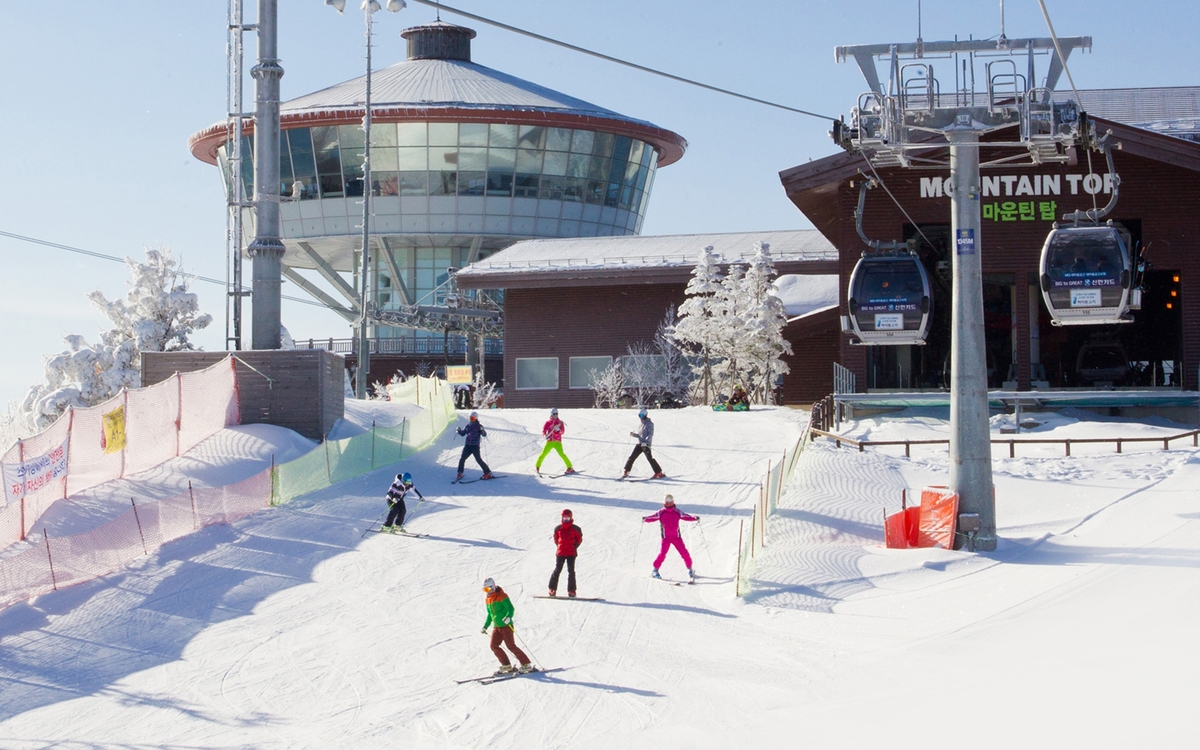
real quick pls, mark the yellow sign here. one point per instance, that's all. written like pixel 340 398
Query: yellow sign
pixel 458 374
pixel 113 439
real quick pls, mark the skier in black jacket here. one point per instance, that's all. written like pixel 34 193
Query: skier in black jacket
pixel 395 499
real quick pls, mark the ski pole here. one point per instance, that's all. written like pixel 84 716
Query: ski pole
pixel 707 551
pixel 373 524
pixel 528 651
pixel 639 541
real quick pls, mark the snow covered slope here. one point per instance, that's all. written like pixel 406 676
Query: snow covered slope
pixel 292 629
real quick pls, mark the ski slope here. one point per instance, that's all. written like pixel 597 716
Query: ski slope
pixel 293 629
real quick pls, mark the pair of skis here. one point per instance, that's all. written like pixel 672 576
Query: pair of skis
pixel 559 476
pixel 460 480
pixel 505 676
pixel 399 533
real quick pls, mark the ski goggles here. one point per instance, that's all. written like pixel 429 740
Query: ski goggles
pixel 488 589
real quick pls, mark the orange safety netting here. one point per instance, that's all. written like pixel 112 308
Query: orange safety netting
pixel 930 524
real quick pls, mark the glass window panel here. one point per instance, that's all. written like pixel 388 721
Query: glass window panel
pixel 555 164
pixel 582 142
pixel 443 134
pixel 626 196
pixel 537 373
pixel 412 183
pixel 324 138
pixel 612 192
pixel 502 136
pixel 604 144
pixel 526 185
pixel 443 183
pixel 532 136
pixel 471 183
pixel 472 134
pixel 598 168
pixel 501 158
pixel 328 162
pixel 424 257
pixel 383 159
pixel 552 187
pixel 383 134
pixel 350 136
pixel 499 183
pixel 300 140
pixel 285 167
pixel 412 159
pixel 443 159
pixel 595 191
pixel 331 186
pixel 424 281
pixel 577 165
pixel 472 159
pixel 384 183
pixel 643 171
pixel 574 188
pixel 413 134
pixel 584 369
pixel 621 148
pixel 529 160
pixel 635 152
pixel 558 139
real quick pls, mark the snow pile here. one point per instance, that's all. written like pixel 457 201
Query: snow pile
pixel 293 629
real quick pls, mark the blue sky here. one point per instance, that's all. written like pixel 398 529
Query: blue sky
pixel 100 100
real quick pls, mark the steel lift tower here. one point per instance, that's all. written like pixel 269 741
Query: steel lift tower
pixel 911 123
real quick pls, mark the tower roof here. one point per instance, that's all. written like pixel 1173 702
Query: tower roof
pixel 438 82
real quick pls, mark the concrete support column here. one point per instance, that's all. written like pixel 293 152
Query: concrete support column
pixel 970 438
pixel 267 249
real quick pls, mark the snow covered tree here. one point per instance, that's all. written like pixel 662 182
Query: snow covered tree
pixel 158 314
pixel 763 319
pixel 696 330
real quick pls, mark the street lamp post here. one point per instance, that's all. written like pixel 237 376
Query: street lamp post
pixel 369 8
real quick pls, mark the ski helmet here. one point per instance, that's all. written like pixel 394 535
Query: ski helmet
pixel 669 501
pixel 554 412
pixel 642 412
pixel 488 585
pixel 406 478
pixel 566 515
pixel 474 415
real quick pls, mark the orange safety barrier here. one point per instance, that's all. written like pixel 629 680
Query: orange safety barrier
pixel 930 524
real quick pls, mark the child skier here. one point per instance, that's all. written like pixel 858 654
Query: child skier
pixel 568 537
pixel 668 519
pixel 500 614
pixel 645 435
pixel 553 431
pixel 395 500
pixel 474 431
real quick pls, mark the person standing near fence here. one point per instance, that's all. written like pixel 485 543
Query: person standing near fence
pixel 500 616
pixel 553 431
pixel 567 538
pixel 645 436
pixel 474 433
pixel 395 499
pixel 668 519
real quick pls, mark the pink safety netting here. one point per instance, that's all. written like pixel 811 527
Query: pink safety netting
pixel 161 421
pixel 57 562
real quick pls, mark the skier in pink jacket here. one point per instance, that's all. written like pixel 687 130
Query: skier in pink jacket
pixel 668 519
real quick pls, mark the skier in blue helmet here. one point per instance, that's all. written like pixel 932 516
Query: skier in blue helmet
pixel 395 498
pixel 645 435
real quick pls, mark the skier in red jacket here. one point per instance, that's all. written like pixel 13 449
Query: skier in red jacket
pixel 669 518
pixel 568 537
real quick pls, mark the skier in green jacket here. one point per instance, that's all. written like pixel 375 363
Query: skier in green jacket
pixel 500 615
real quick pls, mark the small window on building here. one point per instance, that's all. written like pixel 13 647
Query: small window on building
pixel 585 369
pixel 537 374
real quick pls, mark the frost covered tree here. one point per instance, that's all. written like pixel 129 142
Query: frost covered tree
pixel 763 318
pixel 157 314
pixel 696 330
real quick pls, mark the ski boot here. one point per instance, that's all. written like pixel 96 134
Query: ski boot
pixel 625 475
pixel 571 594
pixel 459 477
pixel 385 529
pixel 553 592
pixel 570 471
pixel 399 530
pixel 659 475
pixel 526 669
pixel 489 475
pixel 506 669
pixel 692 574
pixel 654 573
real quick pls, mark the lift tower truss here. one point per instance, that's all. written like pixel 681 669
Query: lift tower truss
pixel 912 123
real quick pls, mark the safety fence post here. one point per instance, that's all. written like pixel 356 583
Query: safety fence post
pixel 46 538
pixel 372 443
pixel 328 468
pixel 139 525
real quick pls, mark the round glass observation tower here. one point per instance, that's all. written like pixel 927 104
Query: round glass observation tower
pixel 465 160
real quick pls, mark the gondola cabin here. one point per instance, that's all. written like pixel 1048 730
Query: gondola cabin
pixel 1087 276
pixel 889 300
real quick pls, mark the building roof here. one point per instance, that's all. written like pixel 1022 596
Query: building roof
pixel 1170 110
pixel 447 89
pixel 658 259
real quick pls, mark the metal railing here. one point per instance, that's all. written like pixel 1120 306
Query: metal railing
pixel 1012 443
pixel 405 345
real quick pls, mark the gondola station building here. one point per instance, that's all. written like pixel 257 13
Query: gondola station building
pixel 572 305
